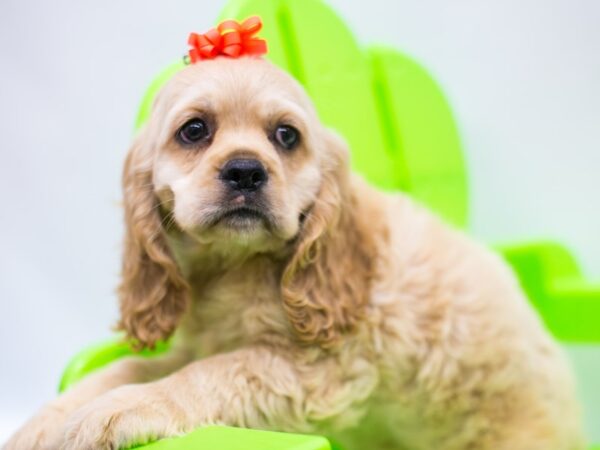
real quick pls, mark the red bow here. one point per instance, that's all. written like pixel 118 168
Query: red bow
pixel 230 38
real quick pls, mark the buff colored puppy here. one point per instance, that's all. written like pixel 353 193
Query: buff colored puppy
pixel 300 298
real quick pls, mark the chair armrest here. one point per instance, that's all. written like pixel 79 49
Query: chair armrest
pixel 568 303
pixel 99 355
pixel 229 438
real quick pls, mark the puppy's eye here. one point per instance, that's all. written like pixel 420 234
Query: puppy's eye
pixel 193 131
pixel 287 136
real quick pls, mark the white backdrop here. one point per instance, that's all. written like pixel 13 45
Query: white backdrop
pixel 523 77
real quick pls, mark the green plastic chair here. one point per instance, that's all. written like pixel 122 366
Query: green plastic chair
pixel 405 138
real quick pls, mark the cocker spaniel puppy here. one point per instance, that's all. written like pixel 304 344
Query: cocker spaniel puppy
pixel 299 298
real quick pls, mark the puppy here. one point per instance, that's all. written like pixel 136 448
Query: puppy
pixel 301 299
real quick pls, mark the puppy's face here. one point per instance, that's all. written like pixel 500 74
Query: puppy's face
pixel 238 161
pixel 236 152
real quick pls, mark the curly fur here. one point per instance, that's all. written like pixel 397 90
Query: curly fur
pixel 153 292
pixel 322 302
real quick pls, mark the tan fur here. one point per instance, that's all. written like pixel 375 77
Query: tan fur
pixel 317 272
pixel 153 293
pixel 349 312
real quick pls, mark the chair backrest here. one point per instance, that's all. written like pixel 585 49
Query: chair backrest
pixel 393 115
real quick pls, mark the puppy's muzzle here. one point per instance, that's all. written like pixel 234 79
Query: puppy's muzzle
pixel 244 175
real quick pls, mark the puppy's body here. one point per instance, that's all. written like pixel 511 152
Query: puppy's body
pixel 449 355
pixel 329 308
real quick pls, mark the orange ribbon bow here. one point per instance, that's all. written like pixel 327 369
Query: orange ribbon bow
pixel 230 38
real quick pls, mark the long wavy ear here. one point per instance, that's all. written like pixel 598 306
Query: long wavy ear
pixel 153 292
pixel 326 283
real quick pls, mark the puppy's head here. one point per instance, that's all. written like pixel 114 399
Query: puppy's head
pixel 235 153
pixel 233 157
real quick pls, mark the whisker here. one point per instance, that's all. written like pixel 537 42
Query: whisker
pixel 168 219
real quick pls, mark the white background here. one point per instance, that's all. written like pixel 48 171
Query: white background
pixel 523 77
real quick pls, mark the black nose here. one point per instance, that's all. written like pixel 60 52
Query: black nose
pixel 244 174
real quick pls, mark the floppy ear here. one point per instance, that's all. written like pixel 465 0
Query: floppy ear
pixel 326 283
pixel 153 293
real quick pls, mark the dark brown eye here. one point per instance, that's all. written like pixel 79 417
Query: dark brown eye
pixel 287 136
pixel 193 131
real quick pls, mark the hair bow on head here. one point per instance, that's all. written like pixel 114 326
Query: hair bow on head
pixel 230 38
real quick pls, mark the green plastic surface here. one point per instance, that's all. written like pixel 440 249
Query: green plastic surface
pixel 97 356
pixel 229 438
pixel 569 305
pixel 403 136
pixel 420 133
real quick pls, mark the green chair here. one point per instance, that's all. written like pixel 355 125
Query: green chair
pixel 403 137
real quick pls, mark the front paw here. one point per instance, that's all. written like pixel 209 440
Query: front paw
pixel 43 431
pixel 124 417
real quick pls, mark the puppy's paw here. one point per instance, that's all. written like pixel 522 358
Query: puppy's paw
pixel 43 431
pixel 126 416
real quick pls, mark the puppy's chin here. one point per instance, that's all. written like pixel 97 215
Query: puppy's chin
pixel 243 220
pixel 242 229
